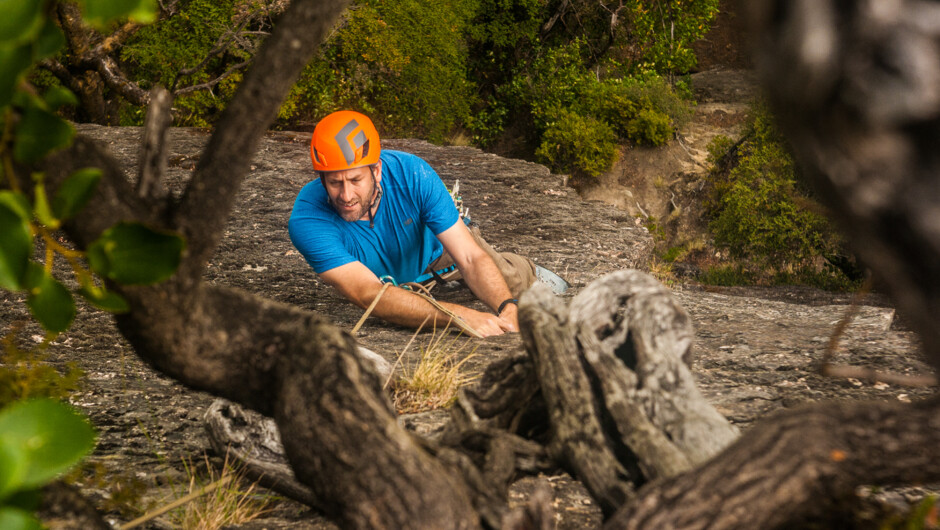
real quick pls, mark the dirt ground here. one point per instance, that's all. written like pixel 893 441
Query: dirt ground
pixel 756 351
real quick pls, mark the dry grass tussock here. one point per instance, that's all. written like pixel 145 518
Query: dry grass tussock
pixel 228 503
pixel 433 382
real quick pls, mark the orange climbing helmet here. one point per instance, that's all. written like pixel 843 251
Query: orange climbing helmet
pixel 344 140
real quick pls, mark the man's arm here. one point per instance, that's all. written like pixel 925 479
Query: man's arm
pixel 358 284
pixel 480 273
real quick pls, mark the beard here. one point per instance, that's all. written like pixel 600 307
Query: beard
pixel 356 209
pixel 354 214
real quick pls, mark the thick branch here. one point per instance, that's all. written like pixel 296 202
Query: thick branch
pixel 211 193
pixel 111 74
pixel 112 42
pixel 861 107
pixel 622 403
pixel 795 466
pixel 152 162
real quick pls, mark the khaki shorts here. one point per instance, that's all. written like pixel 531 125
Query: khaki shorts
pixel 518 271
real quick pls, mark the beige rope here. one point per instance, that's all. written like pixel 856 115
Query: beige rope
pixel 459 322
pixel 371 307
pixel 453 316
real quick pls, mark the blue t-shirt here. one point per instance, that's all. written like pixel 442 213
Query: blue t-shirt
pixel 415 207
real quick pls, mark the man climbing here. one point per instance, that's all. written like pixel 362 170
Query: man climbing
pixel 379 216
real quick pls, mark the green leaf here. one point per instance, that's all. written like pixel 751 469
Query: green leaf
pixel 133 254
pixel 16 245
pixel 16 519
pixel 104 299
pixel 50 41
pixel 58 96
pixel 28 500
pixel 21 19
pixel 50 435
pixel 100 12
pixel 12 468
pixel 14 60
pixel 49 301
pixel 18 203
pixel 41 207
pixel 39 133
pixel 75 192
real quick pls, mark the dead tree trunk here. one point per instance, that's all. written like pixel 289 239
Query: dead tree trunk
pixel 623 405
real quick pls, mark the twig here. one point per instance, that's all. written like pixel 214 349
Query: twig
pixel 177 503
pixel 210 84
pixel 828 369
pixel 223 44
pixel 685 148
pixel 370 308
pixel 402 354
pixel 868 374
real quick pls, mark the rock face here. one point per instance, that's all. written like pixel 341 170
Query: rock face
pixel 751 355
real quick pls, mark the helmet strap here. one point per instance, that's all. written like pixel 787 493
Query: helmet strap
pixel 376 195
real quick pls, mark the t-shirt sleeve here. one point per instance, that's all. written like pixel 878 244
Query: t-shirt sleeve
pixel 434 202
pixel 317 239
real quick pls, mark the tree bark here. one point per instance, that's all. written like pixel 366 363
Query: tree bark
pixel 795 466
pixel 861 108
pixel 622 403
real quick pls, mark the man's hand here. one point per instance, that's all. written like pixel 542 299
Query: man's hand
pixel 510 315
pixel 480 272
pixel 487 324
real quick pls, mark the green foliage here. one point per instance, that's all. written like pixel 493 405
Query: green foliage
pixel 39 440
pixel 75 192
pixel 40 132
pixel 923 516
pixel 761 212
pixel 428 69
pixel 580 145
pixel 649 127
pixel 557 86
pixel 134 254
pixel 15 246
pixel 664 31
pixel 157 53
pixel 100 13
pixel 49 301
pixel 24 374
pixel 404 63
pixel 727 275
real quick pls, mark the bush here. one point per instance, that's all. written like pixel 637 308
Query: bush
pixel 409 76
pixel 650 127
pixel 763 213
pixel 579 145
pixel 156 53
pixel 557 85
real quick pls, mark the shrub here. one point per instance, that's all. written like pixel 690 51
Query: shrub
pixel 404 63
pixel 156 53
pixel 557 86
pixel 650 127
pixel 579 145
pixel 763 213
